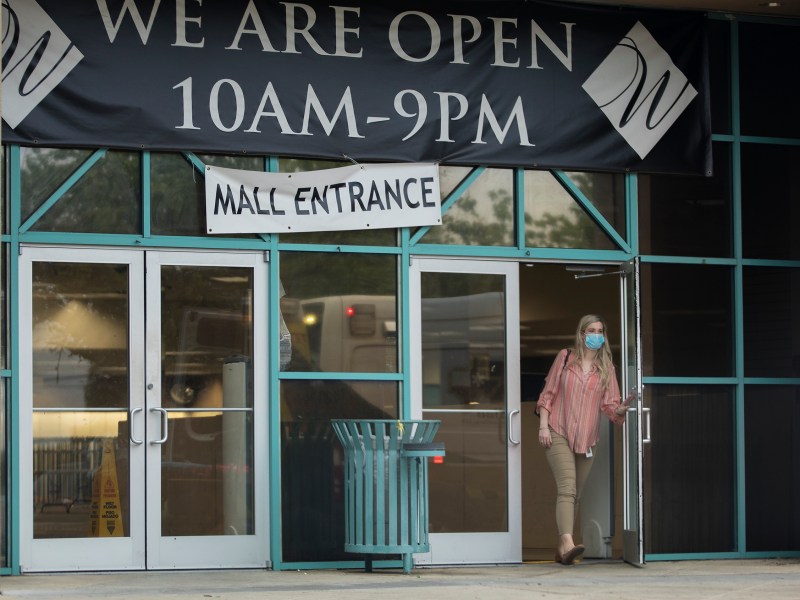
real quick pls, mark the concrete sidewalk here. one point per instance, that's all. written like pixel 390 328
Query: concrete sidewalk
pixel 737 579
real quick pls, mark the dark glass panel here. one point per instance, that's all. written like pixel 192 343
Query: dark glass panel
pixel 312 488
pixel 606 192
pixel 719 56
pixel 42 171
pixel 107 199
pixel 690 470
pixel 3 476
pixel 80 335
pixel 482 216
pixel 772 468
pixel 770 202
pixel 177 196
pixel 341 310
pixel 553 219
pixel 177 192
pixel 771 322
pixel 768 68
pixel 682 215
pixel 687 320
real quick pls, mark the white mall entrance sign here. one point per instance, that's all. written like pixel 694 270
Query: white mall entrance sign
pixel 374 196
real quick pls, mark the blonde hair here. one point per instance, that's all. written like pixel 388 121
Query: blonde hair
pixel 604 360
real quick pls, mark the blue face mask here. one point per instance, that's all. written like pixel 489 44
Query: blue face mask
pixel 594 341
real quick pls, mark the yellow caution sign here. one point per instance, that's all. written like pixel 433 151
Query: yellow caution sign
pixel 105 517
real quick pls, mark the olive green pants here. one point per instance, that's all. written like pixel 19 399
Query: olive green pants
pixel 570 472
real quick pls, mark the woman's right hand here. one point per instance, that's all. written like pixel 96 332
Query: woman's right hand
pixel 545 439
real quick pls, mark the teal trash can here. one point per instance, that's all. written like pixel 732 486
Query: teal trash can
pixel 386 485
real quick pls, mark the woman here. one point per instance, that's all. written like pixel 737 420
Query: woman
pixel 581 384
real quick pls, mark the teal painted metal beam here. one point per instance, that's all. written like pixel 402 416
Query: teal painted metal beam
pixel 273 292
pixel 325 376
pixel 689 260
pixel 135 241
pixel 520 227
pixel 738 294
pixel 404 350
pixel 146 208
pixel 340 248
pixel 12 403
pixel 567 254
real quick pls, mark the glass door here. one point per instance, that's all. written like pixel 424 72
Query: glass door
pixel 81 365
pixel 206 410
pixel 465 344
pixel 143 409
pixel 633 541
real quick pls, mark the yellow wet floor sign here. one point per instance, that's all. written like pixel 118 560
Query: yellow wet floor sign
pixel 105 518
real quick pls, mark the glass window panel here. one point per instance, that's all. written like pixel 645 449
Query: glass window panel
pixel 463 385
pixel 719 58
pixel 3 476
pixel 553 219
pixel 770 202
pixel 42 171
pixel 178 196
pixel 206 357
pixel 207 474
pixel 312 487
pixel 3 196
pixel 4 320
pixel 450 177
pixel 372 237
pixel 482 216
pixel 606 192
pixel 687 215
pixel 463 341
pixel 771 322
pixel 107 199
pixel 772 467
pixel 468 491
pixel 767 54
pixel 341 310
pixel 80 335
pixel 690 470
pixel 687 320
pixel 206 330
pixel 75 454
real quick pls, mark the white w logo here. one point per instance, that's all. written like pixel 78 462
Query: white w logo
pixel 36 58
pixel 640 90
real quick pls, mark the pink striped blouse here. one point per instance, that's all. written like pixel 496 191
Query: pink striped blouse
pixel 575 401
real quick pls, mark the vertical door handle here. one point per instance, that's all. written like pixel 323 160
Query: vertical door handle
pixel 646 414
pixel 164 427
pixel 133 411
pixel 510 424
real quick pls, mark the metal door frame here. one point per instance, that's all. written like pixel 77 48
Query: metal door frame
pixel 633 440
pixel 143 547
pixel 480 547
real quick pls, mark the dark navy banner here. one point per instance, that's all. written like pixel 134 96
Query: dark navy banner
pixel 533 84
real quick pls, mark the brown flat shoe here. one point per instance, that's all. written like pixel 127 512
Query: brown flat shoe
pixel 569 557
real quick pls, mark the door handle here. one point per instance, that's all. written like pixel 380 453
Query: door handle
pixel 510 423
pixel 164 427
pixel 646 414
pixel 133 411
